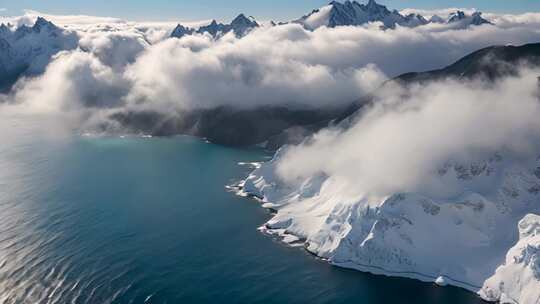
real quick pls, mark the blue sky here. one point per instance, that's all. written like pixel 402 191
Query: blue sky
pixel 278 10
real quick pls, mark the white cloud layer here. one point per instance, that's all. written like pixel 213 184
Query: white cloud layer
pixel 400 144
pixel 132 65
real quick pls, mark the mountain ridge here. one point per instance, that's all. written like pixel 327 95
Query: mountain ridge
pixel 27 49
pixel 335 14
pixel 240 26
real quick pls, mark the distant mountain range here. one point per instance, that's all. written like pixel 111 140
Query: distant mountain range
pixel 348 13
pixel 27 50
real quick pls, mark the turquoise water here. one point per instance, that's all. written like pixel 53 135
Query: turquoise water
pixel 134 220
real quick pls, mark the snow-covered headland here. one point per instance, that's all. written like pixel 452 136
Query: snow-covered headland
pixel 458 240
pixel 442 188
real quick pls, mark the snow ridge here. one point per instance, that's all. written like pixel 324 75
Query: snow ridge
pixel 459 240
pixel 335 14
pixel 352 13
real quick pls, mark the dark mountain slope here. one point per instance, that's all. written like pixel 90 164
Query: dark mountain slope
pixel 491 62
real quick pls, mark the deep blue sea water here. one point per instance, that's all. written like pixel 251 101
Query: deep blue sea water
pixel 135 220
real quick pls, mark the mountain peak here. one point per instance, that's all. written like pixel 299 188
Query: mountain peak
pixel 352 13
pixel 240 26
pixel 242 20
pixel 42 23
pixel 372 3
pixel 180 31
pixel 241 16
pixel 478 20
pixel 474 19
pixel 456 16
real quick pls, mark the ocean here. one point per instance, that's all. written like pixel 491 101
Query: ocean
pixel 93 219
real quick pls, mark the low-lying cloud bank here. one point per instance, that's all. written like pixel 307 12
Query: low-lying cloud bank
pixel 403 141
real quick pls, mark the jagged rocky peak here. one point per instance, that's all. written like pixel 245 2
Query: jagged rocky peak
pixel 22 30
pixel 457 16
pixel 242 20
pixel 415 20
pixel 241 25
pixel 474 19
pixel 353 13
pixel 43 24
pixel 375 8
pixel 478 20
pixel 26 50
pixel 181 31
pixel 214 28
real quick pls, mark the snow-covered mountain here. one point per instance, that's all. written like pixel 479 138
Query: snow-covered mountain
pixel 348 13
pixel 459 240
pixel 462 19
pixel 27 50
pixel 474 19
pixel 353 13
pixel 240 26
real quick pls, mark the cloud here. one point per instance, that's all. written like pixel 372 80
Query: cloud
pixel 400 143
pixel 130 66
pixel 288 65
pixel 74 81
pixel 200 73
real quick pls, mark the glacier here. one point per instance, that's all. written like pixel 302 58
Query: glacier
pixel 460 240
pixel 517 280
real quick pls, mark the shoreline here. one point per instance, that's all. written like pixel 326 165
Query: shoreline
pixel 282 235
